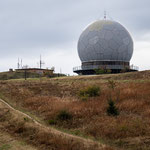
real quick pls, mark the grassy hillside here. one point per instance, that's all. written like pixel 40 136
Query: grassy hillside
pixel 16 75
pixel 21 75
pixel 65 104
pixel 8 142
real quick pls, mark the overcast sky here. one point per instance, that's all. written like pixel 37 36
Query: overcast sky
pixel 51 28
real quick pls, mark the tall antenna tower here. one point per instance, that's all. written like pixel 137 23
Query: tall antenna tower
pixel 41 62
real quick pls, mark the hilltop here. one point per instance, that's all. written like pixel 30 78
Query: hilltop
pixel 59 103
pixel 22 74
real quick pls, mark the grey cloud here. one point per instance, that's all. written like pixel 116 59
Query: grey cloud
pixel 26 26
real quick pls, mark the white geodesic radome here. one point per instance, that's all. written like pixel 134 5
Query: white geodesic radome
pixel 105 40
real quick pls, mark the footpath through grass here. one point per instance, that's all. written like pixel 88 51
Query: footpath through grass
pixel 47 98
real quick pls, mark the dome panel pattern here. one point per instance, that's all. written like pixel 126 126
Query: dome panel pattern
pixel 105 40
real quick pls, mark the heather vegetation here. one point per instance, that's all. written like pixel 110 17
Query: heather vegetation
pixel 115 110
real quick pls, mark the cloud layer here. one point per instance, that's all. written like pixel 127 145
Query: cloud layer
pixel 52 28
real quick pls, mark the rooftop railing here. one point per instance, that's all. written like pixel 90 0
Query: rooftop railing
pixel 92 67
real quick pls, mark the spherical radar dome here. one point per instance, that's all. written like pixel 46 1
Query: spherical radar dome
pixel 105 40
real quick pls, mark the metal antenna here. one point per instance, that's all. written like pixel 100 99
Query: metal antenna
pixel 105 15
pixel 21 63
pixel 18 64
pixel 41 62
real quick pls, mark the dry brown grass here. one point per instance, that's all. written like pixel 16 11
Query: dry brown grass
pixel 8 142
pixel 46 98
pixel 39 136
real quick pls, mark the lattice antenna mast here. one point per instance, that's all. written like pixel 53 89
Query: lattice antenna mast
pixel 41 62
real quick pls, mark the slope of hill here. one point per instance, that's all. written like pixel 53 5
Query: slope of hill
pixel 8 142
pixel 58 103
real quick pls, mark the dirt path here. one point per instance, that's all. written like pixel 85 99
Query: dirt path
pixel 88 143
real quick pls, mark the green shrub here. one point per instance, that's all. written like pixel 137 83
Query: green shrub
pixel 26 119
pixel 64 115
pixel 52 122
pixel 112 110
pixel 102 71
pixel 89 92
pixel 99 71
pixel 109 71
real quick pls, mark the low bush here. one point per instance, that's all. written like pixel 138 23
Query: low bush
pixel 64 115
pixel 102 71
pixel 26 119
pixel 91 91
pixel 52 122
